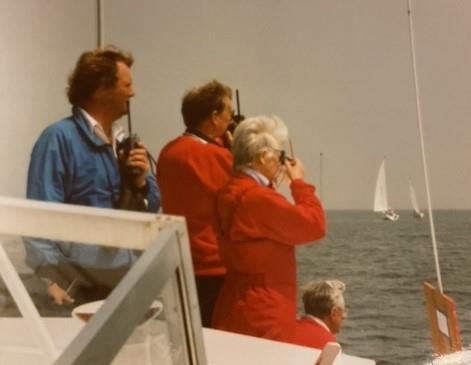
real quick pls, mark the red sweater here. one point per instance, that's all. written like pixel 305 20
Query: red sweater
pixel 260 229
pixel 189 172
pixel 312 334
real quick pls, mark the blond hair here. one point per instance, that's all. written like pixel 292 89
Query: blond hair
pixel 320 297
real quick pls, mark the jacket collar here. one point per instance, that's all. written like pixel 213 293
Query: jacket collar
pixel 84 126
pixel 319 321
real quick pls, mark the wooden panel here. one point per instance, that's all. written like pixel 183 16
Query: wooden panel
pixel 443 322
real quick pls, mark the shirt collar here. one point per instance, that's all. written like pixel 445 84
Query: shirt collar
pixel 318 320
pixel 92 122
pixel 194 136
pixel 257 176
pixel 117 131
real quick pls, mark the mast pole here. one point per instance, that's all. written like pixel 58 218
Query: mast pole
pixel 422 145
pixel 99 23
pixel 320 177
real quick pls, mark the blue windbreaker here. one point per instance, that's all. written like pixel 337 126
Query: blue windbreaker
pixel 70 164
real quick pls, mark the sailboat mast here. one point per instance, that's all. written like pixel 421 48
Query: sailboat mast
pixel 422 145
pixel 99 23
pixel 320 177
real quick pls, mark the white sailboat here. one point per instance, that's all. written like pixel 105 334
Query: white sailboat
pixel 415 205
pixel 381 196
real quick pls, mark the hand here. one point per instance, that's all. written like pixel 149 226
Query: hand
pixel 59 295
pixel 294 169
pixel 227 139
pixel 138 158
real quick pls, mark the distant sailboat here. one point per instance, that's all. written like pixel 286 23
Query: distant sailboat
pixel 381 196
pixel 413 198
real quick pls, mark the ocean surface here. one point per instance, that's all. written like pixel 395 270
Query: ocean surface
pixel 384 265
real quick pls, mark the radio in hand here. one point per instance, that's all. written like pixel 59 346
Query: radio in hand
pixel 236 119
pixel 130 197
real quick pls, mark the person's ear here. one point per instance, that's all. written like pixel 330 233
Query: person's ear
pixel 335 312
pixel 215 114
pixel 262 157
pixel 213 118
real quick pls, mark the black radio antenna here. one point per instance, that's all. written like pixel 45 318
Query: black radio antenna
pixel 129 118
pixel 238 117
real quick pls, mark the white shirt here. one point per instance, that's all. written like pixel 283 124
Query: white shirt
pixel 257 176
pixel 117 131
pixel 194 136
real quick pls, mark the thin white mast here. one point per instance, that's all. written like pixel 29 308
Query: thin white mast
pixel 422 145
pixel 320 179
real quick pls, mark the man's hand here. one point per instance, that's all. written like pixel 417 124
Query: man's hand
pixel 227 139
pixel 59 295
pixel 138 158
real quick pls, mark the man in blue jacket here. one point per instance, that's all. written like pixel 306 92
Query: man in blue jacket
pixel 75 161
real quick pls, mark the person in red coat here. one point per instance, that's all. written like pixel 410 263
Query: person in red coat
pixel 259 231
pixel 190 169
pixel 324 306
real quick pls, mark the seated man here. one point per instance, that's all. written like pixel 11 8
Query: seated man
pixel 324 306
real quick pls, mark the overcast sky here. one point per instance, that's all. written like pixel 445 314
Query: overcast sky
pixel 338 72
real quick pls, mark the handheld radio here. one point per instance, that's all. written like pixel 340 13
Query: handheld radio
pixel 125 147
pixel 238 117
pixel 129 197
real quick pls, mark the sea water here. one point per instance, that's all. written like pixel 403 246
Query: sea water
pixel 384 265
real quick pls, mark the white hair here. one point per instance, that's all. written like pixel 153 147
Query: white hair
pixel 255 135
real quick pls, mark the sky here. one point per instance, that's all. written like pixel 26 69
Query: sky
pixel 338 72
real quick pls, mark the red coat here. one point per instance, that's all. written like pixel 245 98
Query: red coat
pixel 189 172
pixel 312 334
pixel 259 230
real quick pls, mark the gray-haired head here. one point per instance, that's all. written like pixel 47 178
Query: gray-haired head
pixel 256 135
pixel 321 297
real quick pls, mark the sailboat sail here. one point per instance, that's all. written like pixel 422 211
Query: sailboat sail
pixel 415 205
pixel 381 194
pixel 413 198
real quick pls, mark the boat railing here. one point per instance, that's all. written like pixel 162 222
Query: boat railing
pixel 163 273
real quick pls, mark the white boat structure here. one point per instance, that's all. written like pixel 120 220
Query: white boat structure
pixel 415 205
pixel 116 334
pixel 381 205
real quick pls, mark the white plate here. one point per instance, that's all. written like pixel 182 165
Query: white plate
pixel 85 311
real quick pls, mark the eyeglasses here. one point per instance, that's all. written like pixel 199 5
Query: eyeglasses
pixel 283 157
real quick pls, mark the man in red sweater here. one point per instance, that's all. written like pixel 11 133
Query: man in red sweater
pixel 325 311
pixel 190 170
